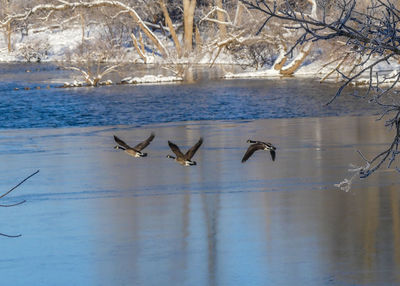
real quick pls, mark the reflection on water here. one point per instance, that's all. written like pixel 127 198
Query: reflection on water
pixel 116 220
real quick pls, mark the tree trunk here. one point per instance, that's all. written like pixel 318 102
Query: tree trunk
pixel 168 23
pixel 135 43
pixel 82 26
pixel 293 66
pixel 221 18
pixel 142 43
pixel 188 15
pixel 281 60
pixel 9 46
pixel 8 26
pixel 199 40
pixel 238 13
pixel 149 33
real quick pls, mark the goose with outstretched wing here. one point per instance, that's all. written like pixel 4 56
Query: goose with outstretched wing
pixel 133 151
pixel 259 145
pixel 184 159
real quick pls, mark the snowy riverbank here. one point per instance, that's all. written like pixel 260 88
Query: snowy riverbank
pixel 53 45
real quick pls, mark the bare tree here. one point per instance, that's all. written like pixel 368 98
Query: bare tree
pixel 45 11
pixel 252 48
pixel 94 60
pixel 368 33
pixel 8 30
pixel 15 204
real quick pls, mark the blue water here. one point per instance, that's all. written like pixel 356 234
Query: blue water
pixel 111 219
pixel 207 99
pixel 95 216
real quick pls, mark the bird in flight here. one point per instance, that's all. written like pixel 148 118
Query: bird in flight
pixel 184 159
pixel 133 151
pixel 259 145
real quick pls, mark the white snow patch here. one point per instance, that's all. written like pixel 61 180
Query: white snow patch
pixel 75 83
pixel 151 79
pixel 60 41
pixel 253 74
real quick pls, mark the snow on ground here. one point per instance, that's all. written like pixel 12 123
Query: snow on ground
pixel 317 69
pixel 61 41
pixel 58 43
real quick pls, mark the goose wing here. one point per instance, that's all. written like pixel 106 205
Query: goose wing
pixel 175 149
pixel 145 143
pixel 273 154
pixel 121 142
pixel 252 148
pixel 190 153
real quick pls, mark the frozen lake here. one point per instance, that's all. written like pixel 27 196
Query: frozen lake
pixel 95 216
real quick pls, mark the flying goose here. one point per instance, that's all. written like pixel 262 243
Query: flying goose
pixel 258 145
pixel 182 159
pixel 135 151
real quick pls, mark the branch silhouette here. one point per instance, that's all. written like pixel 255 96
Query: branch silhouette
pixel 16 204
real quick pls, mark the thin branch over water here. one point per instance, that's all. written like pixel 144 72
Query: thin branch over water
pixel 16 186
pixel 16 204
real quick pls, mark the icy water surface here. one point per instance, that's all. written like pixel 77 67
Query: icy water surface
pixel 207 99
pixel 95 216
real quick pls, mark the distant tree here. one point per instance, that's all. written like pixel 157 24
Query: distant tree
pixel 5 4
pixel 366 32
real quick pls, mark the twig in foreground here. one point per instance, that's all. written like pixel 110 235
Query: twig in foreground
pixel 12 236
pixel 16 186
pixel 6 193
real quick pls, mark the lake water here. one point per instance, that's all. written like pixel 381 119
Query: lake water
pixel 95 216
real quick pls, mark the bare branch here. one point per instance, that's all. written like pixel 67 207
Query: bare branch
pixel 351 79
pixel 15 204
pixel 372 36
pixel 136 45
pixel 10 236
pixel 217 9
pixel 20 183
